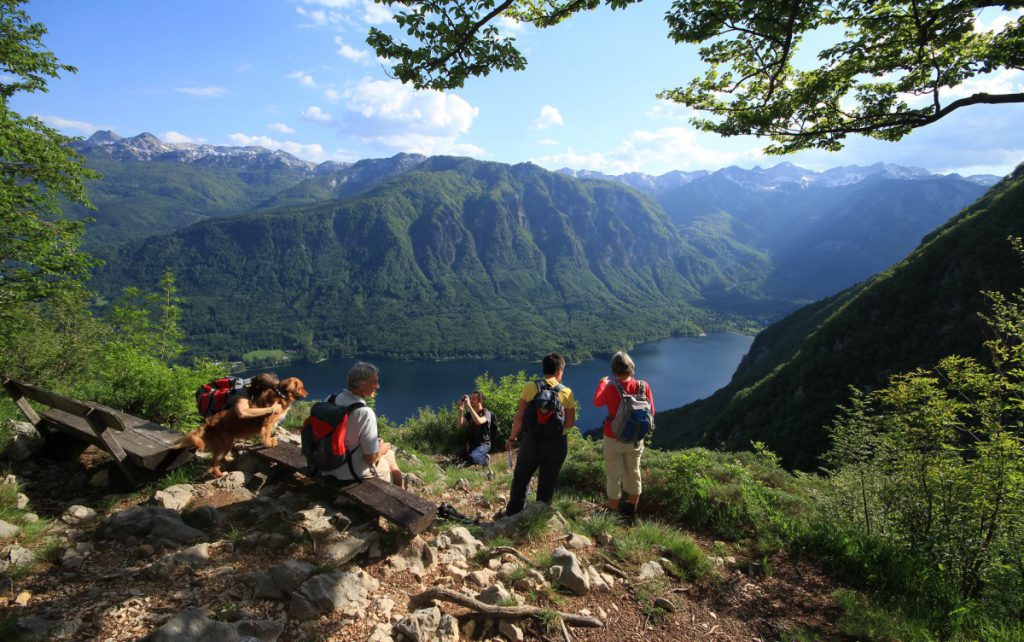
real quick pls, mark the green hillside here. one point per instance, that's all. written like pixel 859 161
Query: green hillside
pixel 137 199
pixel 456 258
pixel 909 316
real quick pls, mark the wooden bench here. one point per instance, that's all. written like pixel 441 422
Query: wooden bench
pixel 376 496
pixel 142 450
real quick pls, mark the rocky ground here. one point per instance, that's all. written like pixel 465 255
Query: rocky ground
pixel 230 559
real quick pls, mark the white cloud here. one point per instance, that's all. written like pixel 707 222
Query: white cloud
pixel 304 79
pixel 391 116
pixel 69 125
pixel 332 95
pixel 548 117
pixel 280 127
pixel 424 144
pixel 313 151
pixel 202 92
pixel 333 4
pixel 178 137
pixel 547 142
pixel 670 110
pixel 1007 81
pixel 375 14
pixel 346 51
pixel 391 102
pixel 504 23
pixel 997 22
pixel 321 17
pixel 669 147
pixel 317 115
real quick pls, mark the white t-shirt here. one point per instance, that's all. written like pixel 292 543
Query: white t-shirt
pixel 360 438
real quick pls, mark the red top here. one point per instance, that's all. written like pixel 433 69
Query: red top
pixel 608 395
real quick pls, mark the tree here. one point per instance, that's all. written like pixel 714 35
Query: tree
pixel 936 461
pixel 39 248
pixel 885 57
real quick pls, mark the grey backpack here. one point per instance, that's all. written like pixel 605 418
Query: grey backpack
pixel 634 419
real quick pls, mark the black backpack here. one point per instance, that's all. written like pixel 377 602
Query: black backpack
pixel 545 415
pixel 323 438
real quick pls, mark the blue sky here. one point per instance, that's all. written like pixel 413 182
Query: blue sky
pixel 297 75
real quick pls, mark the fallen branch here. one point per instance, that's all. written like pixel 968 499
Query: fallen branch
pixel 500 550
pixel 423 599
pixel 616 571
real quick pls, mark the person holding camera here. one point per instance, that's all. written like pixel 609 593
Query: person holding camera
pixel 482 427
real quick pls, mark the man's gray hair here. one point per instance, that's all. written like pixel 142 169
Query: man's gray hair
pixel 360 374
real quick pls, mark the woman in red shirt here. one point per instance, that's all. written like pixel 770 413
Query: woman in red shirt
pixel 621 459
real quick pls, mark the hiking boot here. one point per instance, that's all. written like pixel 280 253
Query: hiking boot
pixel 628 512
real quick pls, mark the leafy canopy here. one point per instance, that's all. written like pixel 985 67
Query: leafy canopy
pixel 39 247
pixel 890 66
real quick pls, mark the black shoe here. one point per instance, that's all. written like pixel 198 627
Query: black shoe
pixel 628 512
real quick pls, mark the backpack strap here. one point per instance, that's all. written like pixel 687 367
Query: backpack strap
pixel 348 413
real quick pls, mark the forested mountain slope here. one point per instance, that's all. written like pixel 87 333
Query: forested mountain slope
pixel 456 258
pixel 787 389
pixel 801 243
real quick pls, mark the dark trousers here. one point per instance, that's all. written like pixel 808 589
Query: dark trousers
pixel 547 456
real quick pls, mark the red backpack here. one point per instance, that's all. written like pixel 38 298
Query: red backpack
pixel 323 437
pixel 219 394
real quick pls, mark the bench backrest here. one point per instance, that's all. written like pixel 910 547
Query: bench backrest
pixel 104 415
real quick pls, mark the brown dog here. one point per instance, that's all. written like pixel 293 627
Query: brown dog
pixel 219 431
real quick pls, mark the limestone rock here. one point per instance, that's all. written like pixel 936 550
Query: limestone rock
pixel 464 542
pixel 77 514
pixel 495 594
pixel 480 578
pixel 428 625
pixel 510 631
pixel 344 591
pixel 651 570
pixel 8 530
pixel 572 575
pixel 335 549
pixel 575 541
pixel 191 625
pixel 190 559
pixel 282 580
pixel 26 443
pixel 174 497
pixel 160 526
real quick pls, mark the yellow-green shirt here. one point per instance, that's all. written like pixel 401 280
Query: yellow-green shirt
pixel 564 395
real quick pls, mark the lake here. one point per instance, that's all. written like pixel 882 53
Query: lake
pixel 679 369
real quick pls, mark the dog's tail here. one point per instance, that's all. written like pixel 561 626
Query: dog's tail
pixel 193 440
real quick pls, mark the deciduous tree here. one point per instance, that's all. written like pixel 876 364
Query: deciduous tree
pixel 890 67
pixel 39 248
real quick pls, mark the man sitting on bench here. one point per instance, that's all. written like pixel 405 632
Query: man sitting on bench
pixel 371 456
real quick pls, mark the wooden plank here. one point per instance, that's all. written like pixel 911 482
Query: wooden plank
pixel 53 400
pixel 14 390
pixel 377 496
pixel 149 446
pixel 396 504
pixel 73 425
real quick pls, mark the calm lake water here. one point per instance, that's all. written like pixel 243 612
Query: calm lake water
pixel 679 369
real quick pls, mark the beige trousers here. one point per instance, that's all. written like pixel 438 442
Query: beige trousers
pixel 622 461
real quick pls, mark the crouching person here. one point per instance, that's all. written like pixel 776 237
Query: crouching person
pixel 482 426
pixel 368 454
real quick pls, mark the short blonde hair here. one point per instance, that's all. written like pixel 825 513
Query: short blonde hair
pixel 622 364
